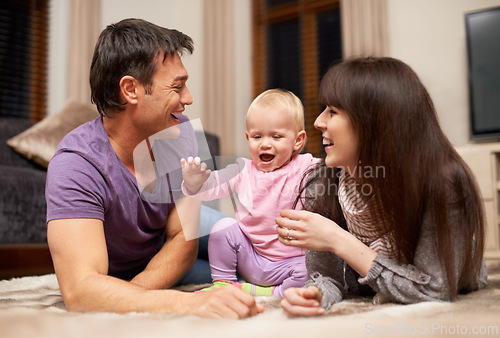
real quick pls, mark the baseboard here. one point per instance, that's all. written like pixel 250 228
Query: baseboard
pixel 18 260
pixel 492 255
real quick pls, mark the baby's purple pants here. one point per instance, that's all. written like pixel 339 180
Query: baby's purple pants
pixel 230 251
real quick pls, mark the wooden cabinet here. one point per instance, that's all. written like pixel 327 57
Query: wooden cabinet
pixel 484 161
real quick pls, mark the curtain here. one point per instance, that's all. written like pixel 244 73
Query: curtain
pixel 23 58
pixel 218 83
pixel 83 33
pixel 364 28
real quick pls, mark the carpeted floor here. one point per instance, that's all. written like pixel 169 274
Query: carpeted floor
pixel 33 307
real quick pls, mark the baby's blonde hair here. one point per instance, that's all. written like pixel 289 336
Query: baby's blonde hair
pixel 283 100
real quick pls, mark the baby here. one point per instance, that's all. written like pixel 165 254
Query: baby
pixel 265 185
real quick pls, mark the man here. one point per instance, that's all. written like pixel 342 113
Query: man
pixel 114 250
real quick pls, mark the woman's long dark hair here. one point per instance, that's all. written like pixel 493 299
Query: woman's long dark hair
pixel 423 175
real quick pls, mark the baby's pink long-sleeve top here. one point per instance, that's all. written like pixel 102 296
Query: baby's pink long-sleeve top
pixel 261 196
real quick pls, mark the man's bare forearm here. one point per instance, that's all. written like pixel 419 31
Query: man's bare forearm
pixel 177 255
pixel 175 258
pixel 103 293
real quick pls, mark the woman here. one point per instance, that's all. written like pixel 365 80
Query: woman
pixel 393 210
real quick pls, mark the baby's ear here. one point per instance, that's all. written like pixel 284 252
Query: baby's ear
pixel 300 139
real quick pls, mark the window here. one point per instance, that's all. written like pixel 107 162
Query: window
pixel 23 58
pixel 295 41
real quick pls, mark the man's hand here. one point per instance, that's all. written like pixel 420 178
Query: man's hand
pixel 194 173
pixel 225 302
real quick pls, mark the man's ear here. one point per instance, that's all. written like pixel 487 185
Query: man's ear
pixel 300 140
pixel 128 89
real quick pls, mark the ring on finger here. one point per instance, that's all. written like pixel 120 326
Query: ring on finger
pixel 288 235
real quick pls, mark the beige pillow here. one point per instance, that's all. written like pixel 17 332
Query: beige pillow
pixel 40 142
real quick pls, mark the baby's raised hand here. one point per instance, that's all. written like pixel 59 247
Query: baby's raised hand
pixel 194 173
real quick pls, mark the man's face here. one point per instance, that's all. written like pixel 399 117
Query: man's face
pixel 167 97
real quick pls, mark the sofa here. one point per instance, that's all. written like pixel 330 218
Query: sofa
pixel 23 248
pixel 22 206
pixel 23 237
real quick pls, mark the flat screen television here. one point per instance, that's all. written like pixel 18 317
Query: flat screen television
pixel 483 53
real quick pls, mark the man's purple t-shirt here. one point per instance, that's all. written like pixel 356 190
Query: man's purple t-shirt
pixel 86 179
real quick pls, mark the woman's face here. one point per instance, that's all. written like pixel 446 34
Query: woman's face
pixel 339 138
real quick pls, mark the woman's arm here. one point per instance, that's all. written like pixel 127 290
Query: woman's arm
pixel 425 279
pixel 326 242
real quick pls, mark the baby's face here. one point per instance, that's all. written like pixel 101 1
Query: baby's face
pixel 271 136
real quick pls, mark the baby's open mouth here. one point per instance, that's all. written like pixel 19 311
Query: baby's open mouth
pixel 266 157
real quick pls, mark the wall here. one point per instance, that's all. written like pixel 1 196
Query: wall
pixel 58 46
pixel 429 35
pixel 243 72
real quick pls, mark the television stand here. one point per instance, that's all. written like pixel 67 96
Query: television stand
pixel 484 161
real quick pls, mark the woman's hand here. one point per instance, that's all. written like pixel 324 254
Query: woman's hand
pixel 302 302
pixel 307 230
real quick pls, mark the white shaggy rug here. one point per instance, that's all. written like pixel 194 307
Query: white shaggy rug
pixel 33 307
